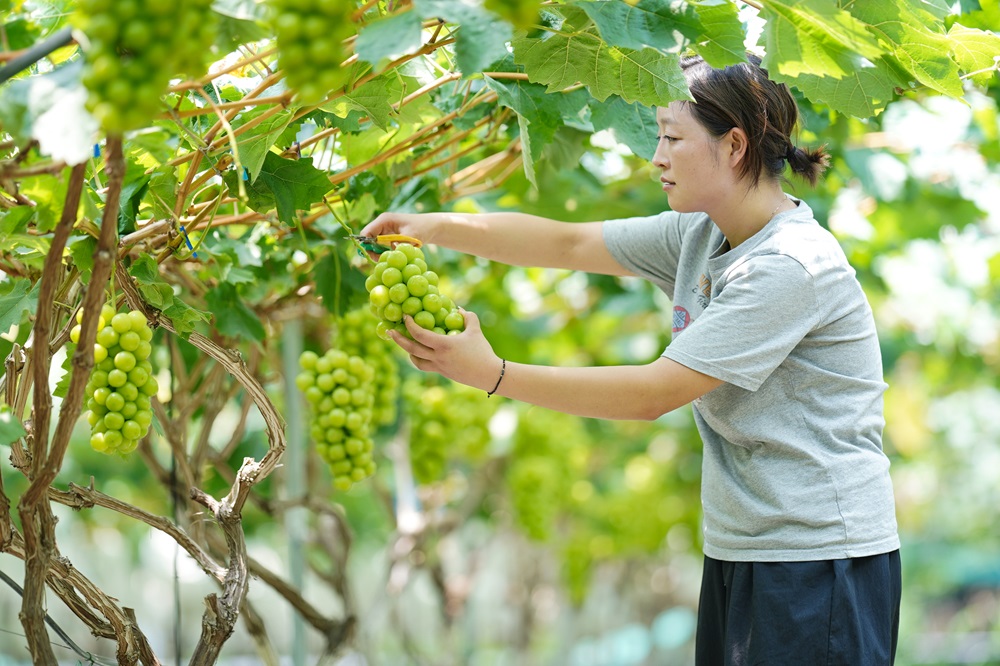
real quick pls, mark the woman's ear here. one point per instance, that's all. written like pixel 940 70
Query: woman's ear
pixel 736 146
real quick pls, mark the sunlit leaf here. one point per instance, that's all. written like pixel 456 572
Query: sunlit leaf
pixel 49 108
pixel 20 301
pixel 975 51
pixel 11 428
pixel 633 124
pixel 916 40
pixel 372 98
pixel 721 41
pixel 389 38
pixel 482 37
pixel 815 38
pixel 255 147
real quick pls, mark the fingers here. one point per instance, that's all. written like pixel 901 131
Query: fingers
pixel 411 347
pixel 422 335
pixel 471 319
pixel 379 225
pixel 424 343
pixel 421 363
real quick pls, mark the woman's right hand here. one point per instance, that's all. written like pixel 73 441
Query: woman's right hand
pixel 415 225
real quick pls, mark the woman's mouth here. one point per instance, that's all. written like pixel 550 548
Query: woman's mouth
pixel 667 184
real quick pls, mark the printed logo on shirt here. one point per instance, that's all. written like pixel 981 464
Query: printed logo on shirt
pixel 681 319
pixel 704 290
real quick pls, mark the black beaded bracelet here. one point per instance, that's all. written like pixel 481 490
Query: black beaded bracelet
pixel 503 369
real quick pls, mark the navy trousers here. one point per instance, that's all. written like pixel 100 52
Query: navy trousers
pixel 820 613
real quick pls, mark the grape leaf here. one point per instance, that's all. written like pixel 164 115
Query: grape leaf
pixel 862 94
pixel 82 249
pixel 339 286
pixel 530 150
pixel 815 38
pixel 657 23
pixel 50 109
pixel 232 316
pixel 48 191
pixel 62 386
pixel 163 187
pixel 481 39
pixel 937 8
pixel 145 269
pixel 916 40
pixel 20 34
pixel 372 98
pixel 722 40
pixel 15 221
pixel 22 299
pixel 974 51
pixel 238 275
pixel 184 317
pixel 539 116
pixel 633 124
pixel 240 251
pixel 11 428
pixel 239 22
pixel 389 38
pixel 375 182
pixel 829 55
pixel 133 189
pixel 254 149
pixel 539 109
pixel 561 60
pixel 285 185
pixel 160 295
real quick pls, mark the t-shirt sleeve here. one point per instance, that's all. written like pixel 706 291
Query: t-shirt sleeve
pixel 648 247
pixel 766 307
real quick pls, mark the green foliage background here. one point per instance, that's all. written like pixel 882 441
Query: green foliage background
pixel 515 105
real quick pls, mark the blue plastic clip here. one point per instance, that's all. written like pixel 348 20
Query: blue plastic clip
pixel 246 174
pixel 188 242
pixel 97 150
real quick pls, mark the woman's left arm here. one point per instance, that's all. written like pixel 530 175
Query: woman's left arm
pixel 640 392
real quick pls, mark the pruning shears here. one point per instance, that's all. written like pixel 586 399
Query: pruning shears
pixel 383 242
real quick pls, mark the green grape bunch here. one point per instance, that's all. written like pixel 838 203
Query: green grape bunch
pixel 339 390
pixel 548 453
pixel 310 37
pixel 537 493
pixel 132 50
pixel 400 284
pixel 356 336
pixel 122 382
pixel 447 421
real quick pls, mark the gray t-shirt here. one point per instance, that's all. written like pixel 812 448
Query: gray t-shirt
pixel 793 467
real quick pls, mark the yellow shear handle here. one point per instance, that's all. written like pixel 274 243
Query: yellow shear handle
pixel 388 239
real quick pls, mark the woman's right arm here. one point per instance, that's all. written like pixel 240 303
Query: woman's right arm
pixel 517 239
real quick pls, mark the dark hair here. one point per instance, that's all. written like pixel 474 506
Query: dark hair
pixel 743 96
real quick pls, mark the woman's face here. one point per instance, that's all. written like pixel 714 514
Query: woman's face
pixel 694 166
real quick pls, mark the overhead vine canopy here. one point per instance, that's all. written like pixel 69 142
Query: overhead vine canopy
pixel 428 99
pixel 208 161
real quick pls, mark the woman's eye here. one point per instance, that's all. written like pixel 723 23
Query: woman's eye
pixel 667 137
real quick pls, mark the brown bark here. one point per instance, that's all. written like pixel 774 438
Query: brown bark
pixel 37 520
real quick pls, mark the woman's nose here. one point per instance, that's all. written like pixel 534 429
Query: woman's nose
pixel 660 158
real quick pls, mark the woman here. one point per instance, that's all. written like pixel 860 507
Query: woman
pixel 774 343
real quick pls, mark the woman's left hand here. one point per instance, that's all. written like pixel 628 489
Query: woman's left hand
pixel 466 358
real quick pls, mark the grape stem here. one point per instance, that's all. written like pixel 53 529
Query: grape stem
pixel 34 53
